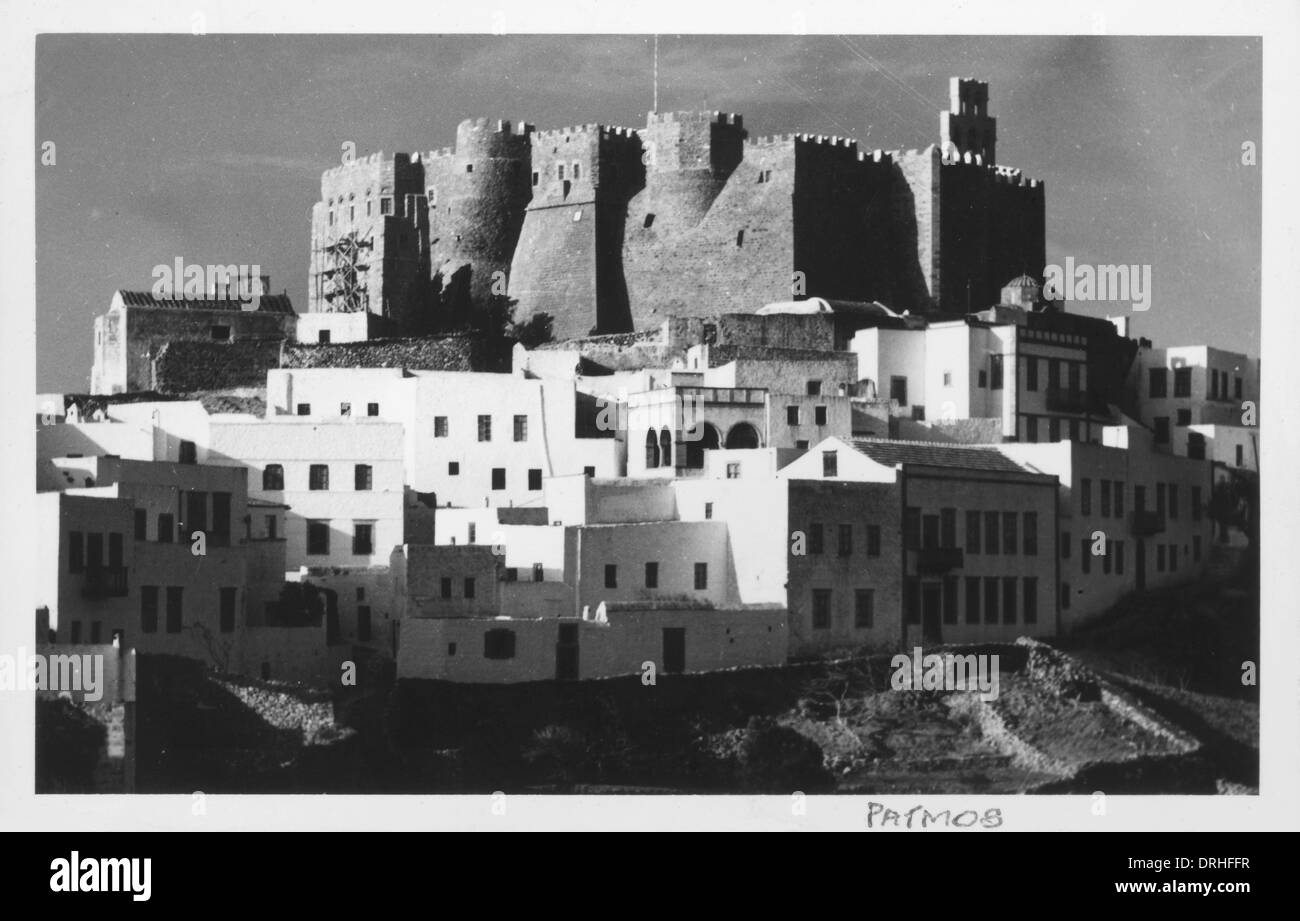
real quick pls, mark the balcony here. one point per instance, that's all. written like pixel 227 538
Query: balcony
pixel 935 560
pixel 1064 400
pixel 1145 524
pixel 105 582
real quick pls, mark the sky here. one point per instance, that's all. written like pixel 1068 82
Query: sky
pixel 210 148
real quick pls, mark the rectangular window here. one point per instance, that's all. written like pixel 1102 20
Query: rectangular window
pixel 1031 533
pixel 1085 496
pixel 94 551
pixel 733 471
pixel 76 552
pixel 469 587
pixel 1162 430
pixel 948 527
pixel 816 538
pixel 539 574
pixel 1241 456
pixel 972 599
pixel 898 389
pixel 534 479
pixel 439 426
pixel 821 608
pixel 1237 387
pixel 1009 600
pixel 873 540
pixel 484 428
pixel 611 575
pixel 521 428
pixel 830 463
pixel 1065 545
pixel 96 629
pixel 499 644
pixel 166 529
pixel 792 415
pixel 990 600
pixel 472 533
pixel 141 524
pixel 76 631
pixel 1105 498
pixel 363 623
pixel 363 538
pixel 226 601
pixel 845 543
pixel 498 478
pixel 1182 382
pixel 1053 429
pixel 149 608
pixel 362 477
pixel 385 205
pixel 912 528
pixel 1118 490
pixel 372 409
pixel 453 468
pixel 345 409
pixel 929 531
pixel 950 600
pixel 272 527
pixel 318 538
pixel 1183 417
pixel 814 388
pixel 319 477
pixel 1031 600
pixel 983 378
pixel 1009 538
pixel 1031 429
pixel 991 532
pixel 1158 382
pixel 651 575
pixel 1031 373
pixel 444 587
pixel 819 415
pixel 701 576
pixel 175 608
pixel 189 454
pixel 304 409
pixel 972 532
pixel 864 608
pixel 708 511
pixel 220 333
pixel 995 372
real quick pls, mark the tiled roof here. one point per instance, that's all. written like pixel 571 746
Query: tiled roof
pixel 938 455
pixel 448 353
pixel 267 303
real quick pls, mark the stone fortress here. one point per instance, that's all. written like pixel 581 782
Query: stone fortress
pixel 612 229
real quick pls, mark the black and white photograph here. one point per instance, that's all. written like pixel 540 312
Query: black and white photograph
pixel 812 414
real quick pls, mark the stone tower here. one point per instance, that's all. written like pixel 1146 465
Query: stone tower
pixel 967 125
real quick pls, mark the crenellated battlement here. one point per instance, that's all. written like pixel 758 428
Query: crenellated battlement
pixel 732 119
pixel 368 161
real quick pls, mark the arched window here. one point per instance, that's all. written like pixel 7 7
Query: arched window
pixel 651 450
pixel 708 441
pixel 273 477
pixel 742 435
pixel 665 448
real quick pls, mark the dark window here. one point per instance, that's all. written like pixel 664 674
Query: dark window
pixel 972 600
pixel 929 531
pixel 498 477
pixel 1182 382
pixel 1031 600
pixel 948 527
pixel 94 551
pixel 651 575
pixel 589 472
pixel 363 539
pixel 304 409
pixel 1072 371
pixel 444 587
pixel 1162 430
pixel 701 576
pixel 1119 498
pixel 76 552
pixel 226 600
pixel 873 540
pixel 1009 600
pixel 792 415
pixel 991 532
pixel 814 388
pixel 273 477
pixel 221 333
pixel 1053 429
pixel 845 543
pixel 469 587
pixel 995 372
pixel 950 600
pixel 189 453
pixel 323 337
pixel 830 463
pixel 385 205
pixel 1237 387
pixel 972 532
pixel 166 529
pixel 1105 498
pixel 196 511
pixel 319 477
pixel 76 631
pixel 1157 383
pixel 363 622
pixel 534 479
pixel 96 628
pixel 175 596
pixel 1183 417
pixel 708 511
pixel 1031 429
pixel 221 519
pixel 453 468
pixel 819 415
pixel 816 538
pixel 990 600
pixel 912 528
pixel 372 409
pixel 345 409
pixel 1009 540
pixel 1031 373
pixel 864 608
pixel 821 608
pixel 1241 457
pixel 439 426
pixel 484 428
pixel 499 644
pixel 538 573
pixel 1085 496
pixel 149 608
pixel 983 378
pixel 521 428
pixel 318 538
pixel 898 389
pixel 1065 545
pixel 611 575
pixel 362 477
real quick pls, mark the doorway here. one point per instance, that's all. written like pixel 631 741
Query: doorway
pixel 566 653
pixel 674 650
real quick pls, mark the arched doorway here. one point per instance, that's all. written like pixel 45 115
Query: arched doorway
pixel 709 440
pixel 651 450
pixel 742 435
